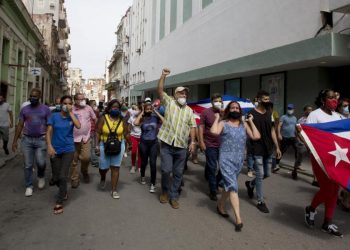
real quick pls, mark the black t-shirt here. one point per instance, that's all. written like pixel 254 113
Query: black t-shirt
pixel 264 124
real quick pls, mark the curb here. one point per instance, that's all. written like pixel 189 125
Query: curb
pixel 291 168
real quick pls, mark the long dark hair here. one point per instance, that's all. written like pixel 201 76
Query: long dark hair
pixel 110 104
pixel 227 110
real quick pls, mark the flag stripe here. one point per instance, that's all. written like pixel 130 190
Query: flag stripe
pixel 341 126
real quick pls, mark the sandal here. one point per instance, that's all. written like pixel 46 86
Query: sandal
pixel 58 209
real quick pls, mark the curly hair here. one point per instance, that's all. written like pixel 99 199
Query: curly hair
pixel 321 98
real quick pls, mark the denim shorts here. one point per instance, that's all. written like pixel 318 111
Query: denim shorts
pixel 107 161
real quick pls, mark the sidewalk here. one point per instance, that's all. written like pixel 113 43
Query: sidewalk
pixel 3 157
pixel 287 162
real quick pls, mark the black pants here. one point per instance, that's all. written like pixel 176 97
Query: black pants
pixel 148 150
pixel 60 169
pixel 285 144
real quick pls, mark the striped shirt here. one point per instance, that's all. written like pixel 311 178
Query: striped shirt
pixel 178 122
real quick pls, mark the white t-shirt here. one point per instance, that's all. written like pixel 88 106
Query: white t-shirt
pixel 135 130
pixel 5 108
pixel 319 116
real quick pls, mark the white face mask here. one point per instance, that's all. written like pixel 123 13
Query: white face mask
pixel 82 103
pixel 217 105
pixel 181 101
pixel 256 104
pixel 290 112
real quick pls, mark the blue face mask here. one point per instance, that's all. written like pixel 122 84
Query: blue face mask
pixel 65 108
pixel 114 112
pixel 346 110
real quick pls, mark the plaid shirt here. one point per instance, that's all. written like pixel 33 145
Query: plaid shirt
pixel 178 122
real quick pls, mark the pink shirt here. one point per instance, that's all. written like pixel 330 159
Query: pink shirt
pixel 85 115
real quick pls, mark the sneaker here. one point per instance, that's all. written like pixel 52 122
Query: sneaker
pixel 310 217
pixel 332 229
pixel 152 188
pixel 29 192
pixel 213 196
pixel 250 189
pixel 276 169
pixel 262 207
pixel 174 204
pixel 102 185
pixel 143 180
pixel 6 151
pixel 115 195
pixel 41 183
pixel 132 170
pixel 125 155
pixel 163 198
pixel 294 175
pixel 250 174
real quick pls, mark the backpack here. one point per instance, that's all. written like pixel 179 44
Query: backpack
pixel 112 145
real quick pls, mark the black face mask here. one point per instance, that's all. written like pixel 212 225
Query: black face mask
pixel 147 113
pixel 267 105
pixel 1 102
pixel 34 101
pixel 234 115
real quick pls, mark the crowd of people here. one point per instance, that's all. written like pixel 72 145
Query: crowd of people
pixel 76 129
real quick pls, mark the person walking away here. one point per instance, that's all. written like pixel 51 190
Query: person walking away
pixel 149 120
pixel 178 123
pixel 82 143
pixel 60 147
pixel 328 193
pixel 135 134
pixel 233 136
pixel 287 134
pixel 210 143
pixel 33 121
pixel 111 130
pixel 6 122
pixel 262 149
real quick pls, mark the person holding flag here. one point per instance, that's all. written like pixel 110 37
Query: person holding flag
pixel 319 143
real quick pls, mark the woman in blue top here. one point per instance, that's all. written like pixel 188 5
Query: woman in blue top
pixel 60 144
pixel 148 147
pixel 233 135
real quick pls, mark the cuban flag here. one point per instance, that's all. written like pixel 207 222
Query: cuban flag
pixel 201 105
pixel 329 143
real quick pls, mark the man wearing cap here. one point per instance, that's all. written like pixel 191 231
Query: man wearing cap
pixel 286 133
pixel 148 100
pixel 179 123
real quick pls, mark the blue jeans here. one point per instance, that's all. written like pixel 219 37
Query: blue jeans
pixel 262 167
pixel 172 161
pixel 94 158
pixel 250 162
pixel 33 148
pixel 212 158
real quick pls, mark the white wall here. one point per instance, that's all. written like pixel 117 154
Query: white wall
pixel 225 30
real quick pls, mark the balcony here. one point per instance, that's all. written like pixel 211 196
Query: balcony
pixel 62 21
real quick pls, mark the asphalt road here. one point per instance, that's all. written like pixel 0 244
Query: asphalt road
pixel 93 220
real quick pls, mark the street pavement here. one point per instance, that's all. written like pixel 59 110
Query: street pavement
pixel 93 220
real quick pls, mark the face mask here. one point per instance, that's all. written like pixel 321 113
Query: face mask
pixel 217 105
pixel 82 103
pixel 256 104
pixel 147 113
pixel 266 105
pixel 234 115
pixel 181 101
pixel 331 104
pixel 65 108
pixel 114 113
pixel 94 108
pixel 346 110
pixel 33 101
pixel 58 107
pixel 290 112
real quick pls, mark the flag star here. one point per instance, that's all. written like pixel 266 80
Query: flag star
pixel 340 154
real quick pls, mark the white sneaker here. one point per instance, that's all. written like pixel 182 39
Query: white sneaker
pixel 250 174
pixel 132 170
pixel 115 195
pixel 143 180
pixel 152 189
pixel 41 183
pixel 29 192
pixel 125 155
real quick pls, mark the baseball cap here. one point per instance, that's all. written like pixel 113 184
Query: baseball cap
pixel 290 106
pixel 179 89
pixel 148 99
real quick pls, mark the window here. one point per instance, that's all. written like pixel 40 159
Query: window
pixel 162 20
pixel 187 10
pixel 232 87
pixel 274 84
pixel 173 15
pixel 205 3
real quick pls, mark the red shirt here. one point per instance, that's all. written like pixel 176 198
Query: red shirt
pixel 207 120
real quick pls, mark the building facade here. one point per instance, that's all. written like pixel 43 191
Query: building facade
pixel 94 89
pixel 239 47
pixel 75 81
